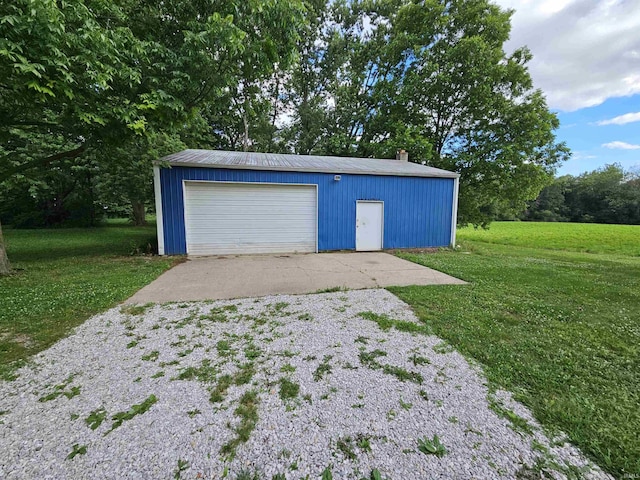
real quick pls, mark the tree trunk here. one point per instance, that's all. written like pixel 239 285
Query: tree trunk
pixel 5 266
pixel 138 213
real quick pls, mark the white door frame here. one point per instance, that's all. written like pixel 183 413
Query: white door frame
pixel 381 223
pixel 184 200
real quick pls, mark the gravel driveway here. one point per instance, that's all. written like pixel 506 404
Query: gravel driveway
pixel 335 385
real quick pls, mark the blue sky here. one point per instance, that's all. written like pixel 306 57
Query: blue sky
pixel 586 59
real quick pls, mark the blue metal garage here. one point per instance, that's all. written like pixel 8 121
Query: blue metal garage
pixel 216 202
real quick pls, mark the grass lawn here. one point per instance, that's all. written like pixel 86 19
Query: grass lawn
pixel 560 329
pixel 63 277
pixel 577 237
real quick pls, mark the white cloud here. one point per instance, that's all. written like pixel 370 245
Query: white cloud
pixel 585 51
pixel 621 146
pixel 621 119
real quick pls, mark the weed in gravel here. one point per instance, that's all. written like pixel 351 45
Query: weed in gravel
pixel 279 476
pixel 431 446
pixel 193 413
pixel 362 340
pixel 326 474
pixel 453 419
pixel 204 373
pixel 250 475
pixel 305 317
pixel 288 354
pixel 247 410
pixel 443 348
pixel 132 343
pixel 391 414
pixel 423 394
pixel 60 390
pixel 363 442
pixel 252 351
pixel 219 314
pixel 244 374
pixel 151 357
pixel 73 416
pixel 405 405
pixel 517 422
pixel 288 389
pixel 135 309
pixel 418 360
pixel 345 445
pixel 385 323
pixel 375 475
pixel 323 369
pixel 95 418
pixel 307 398
pixel 224 348
pixel 138 409
pixel 332 290
pixel 77 449
pixel 349 366
pixel 158 374
pixel 309 358
pixel 182 466
pixel 220 390
pixel 368 359
pixel 287 368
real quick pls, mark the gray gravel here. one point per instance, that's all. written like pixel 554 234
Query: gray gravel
pixel 375 394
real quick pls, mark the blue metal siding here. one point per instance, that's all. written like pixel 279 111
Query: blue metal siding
pixel 417 210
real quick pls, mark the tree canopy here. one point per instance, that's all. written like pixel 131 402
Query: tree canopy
pixel 91 92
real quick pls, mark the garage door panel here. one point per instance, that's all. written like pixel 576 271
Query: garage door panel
pixel 249 218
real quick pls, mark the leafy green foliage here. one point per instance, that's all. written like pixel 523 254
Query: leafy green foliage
pixel 137 409
pixel 247 410
pixel 77 450
pixel 541 320
pixel 606 195
pixel 431 446
pixel 288 389
pixel 95 418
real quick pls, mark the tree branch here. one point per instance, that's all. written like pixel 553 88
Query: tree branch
pixel 4 175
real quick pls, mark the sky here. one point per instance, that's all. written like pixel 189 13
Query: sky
pixel 586 59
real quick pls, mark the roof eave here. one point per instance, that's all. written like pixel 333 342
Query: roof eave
pixel 444 174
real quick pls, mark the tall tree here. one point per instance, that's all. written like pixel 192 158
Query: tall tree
pixel 96 74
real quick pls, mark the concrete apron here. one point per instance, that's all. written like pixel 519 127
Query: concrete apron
pixel 225 277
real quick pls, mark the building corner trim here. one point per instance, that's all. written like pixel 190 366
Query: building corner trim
pixel 157 190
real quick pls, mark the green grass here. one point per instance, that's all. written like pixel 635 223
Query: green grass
pixel 559 329
pixel 62 278
pixel 575 237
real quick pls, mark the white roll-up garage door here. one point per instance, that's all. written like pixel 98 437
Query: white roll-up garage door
pixel 249 218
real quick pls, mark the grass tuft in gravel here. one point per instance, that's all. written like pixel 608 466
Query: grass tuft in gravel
pixel 204 373
pixel 247 410
pixel 323 369
pixel 432 446
pixel 61 389
pixel 95 418
pixel 288 389
pixel 137 409
pixel 368 359
pixel 77 449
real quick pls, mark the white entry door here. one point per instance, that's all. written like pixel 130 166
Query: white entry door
pixel 369 226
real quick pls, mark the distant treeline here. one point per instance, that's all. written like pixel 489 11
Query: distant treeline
pixel 607 195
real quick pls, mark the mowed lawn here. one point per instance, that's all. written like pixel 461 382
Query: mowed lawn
pixel 63 277
pixel 560 329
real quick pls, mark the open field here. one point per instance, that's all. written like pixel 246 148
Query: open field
pixel 576 237
pixel 559 329
pixel 63 277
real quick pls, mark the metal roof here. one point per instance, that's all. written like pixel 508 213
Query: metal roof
pixel 302 163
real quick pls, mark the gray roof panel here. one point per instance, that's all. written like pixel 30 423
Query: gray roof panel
pixel 302 163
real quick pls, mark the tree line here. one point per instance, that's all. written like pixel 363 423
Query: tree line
pixel 92 92
pixel 606 195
